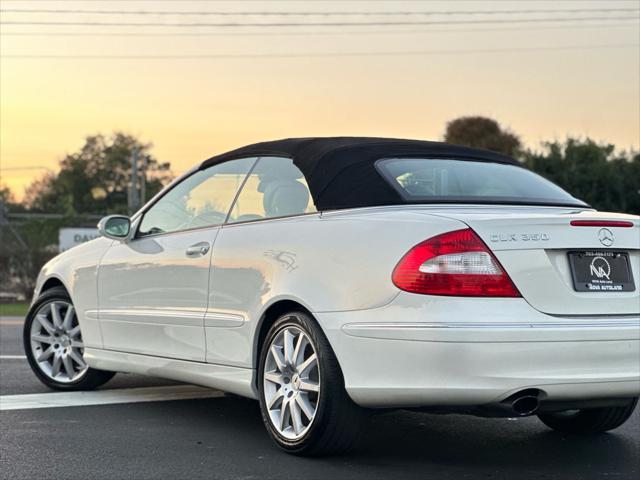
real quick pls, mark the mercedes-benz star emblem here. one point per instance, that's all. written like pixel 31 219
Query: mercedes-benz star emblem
pixel 606 237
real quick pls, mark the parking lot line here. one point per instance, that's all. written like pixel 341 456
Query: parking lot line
pixel 13 357
pixel 11 321
pixel 105 397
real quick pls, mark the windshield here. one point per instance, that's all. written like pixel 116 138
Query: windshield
pixel 463 181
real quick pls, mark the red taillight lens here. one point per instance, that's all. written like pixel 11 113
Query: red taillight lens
pixel 455 263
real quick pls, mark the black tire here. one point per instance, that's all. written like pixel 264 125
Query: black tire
pixel 90 380
pixel 338 423
pixel 589 421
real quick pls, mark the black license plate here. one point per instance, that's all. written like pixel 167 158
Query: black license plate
pixel 601 271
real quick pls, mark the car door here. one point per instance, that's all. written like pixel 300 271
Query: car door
pixel 255 248
pixel 153 288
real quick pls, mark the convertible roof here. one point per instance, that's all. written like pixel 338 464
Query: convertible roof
pixel 340 171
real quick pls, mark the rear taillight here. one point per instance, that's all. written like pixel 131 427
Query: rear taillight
pixel 455 263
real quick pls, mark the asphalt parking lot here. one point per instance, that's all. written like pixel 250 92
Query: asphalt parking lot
pixel 223 437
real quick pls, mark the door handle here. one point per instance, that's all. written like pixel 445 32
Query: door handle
pixel 198 250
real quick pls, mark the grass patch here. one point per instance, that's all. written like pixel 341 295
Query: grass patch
pixel 13 309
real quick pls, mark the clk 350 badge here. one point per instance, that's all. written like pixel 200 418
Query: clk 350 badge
pixel 524 237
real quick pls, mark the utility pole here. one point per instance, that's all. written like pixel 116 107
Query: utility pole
pixel 143 182
pixel 134 197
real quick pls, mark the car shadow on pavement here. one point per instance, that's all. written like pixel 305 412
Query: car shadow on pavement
pixel 422 442
pixel 523 444
pixel 225 438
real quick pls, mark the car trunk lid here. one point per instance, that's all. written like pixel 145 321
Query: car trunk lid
pixel 534 246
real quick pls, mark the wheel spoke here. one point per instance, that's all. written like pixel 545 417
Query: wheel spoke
pixel 273 377
pixel 43 338
pixel 284 415
pixel 74 331
pixel 68 318
pixel 55 368
pixel 68 366
pixel 55 315
pixel 298 349
pixel 45 355
pixel 274 399
pixel 277 357
pixel 309 386
pixel 42 320
pixel 308 363
pixel 296 419
pixel 78 359
pixel 288 347
pixel 305 405
pixel 77 344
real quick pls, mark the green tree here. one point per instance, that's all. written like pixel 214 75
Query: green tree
pixel 15 255
pixel 6 195
pixel 593 172
pixel 24 247
pixel 93 181
pixel 96 179
pixel 482 132
pixel 8 202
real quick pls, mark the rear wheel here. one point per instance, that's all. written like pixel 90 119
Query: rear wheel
pixel 54 347
pixel 302 398
pixel 589 421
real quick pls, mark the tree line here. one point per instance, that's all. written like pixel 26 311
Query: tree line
pixel 96 180
pixel 598 173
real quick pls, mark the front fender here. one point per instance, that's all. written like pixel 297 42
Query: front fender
pixel 77 270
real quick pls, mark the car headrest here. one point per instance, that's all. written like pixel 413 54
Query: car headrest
pixel 284 197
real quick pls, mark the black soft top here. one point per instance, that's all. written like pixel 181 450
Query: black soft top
pixel 341 171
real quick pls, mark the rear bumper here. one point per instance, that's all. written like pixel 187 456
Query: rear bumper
pixel 439 351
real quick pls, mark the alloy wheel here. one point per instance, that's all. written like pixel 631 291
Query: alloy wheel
pixel 56 342
pixel 291 381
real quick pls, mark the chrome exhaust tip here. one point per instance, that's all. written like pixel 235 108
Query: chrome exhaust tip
pixel 525 405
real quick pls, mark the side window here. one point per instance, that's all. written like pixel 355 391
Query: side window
pixel 275 188
pixel 200 200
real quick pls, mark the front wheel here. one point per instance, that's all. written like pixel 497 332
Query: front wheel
pixel 53 344
pixel 302 398
pixel 589 421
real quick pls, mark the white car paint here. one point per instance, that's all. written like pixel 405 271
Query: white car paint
pixel 145 307
pixel 153 297
pixel 539 266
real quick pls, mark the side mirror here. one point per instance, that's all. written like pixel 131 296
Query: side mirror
pixel 115 227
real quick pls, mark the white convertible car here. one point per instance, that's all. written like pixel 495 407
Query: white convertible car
pixel 329 277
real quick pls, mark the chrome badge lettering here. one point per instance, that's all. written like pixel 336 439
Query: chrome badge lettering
pixel 524 237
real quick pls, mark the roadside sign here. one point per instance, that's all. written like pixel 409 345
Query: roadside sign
pixel 70 237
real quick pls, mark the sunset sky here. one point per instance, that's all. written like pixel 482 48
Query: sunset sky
pixel 194 91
